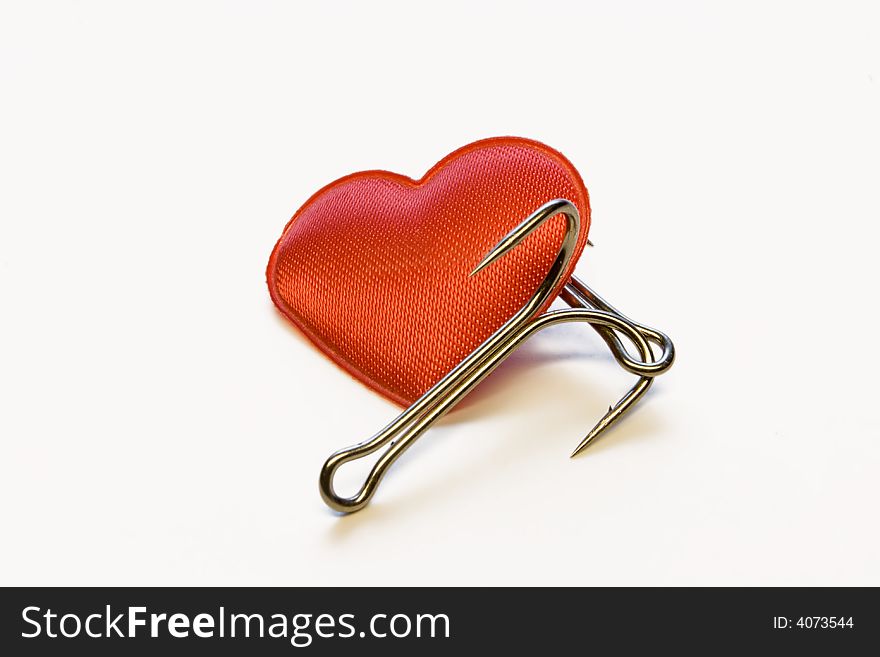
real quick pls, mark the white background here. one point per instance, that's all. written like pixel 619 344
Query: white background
pixel 162 424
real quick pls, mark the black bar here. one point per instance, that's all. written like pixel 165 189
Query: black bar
pixel 691 620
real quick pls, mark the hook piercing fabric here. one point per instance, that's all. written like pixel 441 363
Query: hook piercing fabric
pixel 374 268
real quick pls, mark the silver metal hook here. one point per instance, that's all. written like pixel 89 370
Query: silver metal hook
pixel 404 430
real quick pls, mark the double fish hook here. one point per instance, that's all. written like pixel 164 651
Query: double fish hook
pixel 586 306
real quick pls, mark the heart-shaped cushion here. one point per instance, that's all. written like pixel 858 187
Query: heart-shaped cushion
pixel 374 267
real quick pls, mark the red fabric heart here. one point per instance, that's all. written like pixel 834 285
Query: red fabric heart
pixel 374 267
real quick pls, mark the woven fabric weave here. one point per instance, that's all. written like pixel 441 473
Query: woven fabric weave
pixel 374 267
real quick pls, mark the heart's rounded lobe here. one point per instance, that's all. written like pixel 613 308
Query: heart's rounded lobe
pixel 374 267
